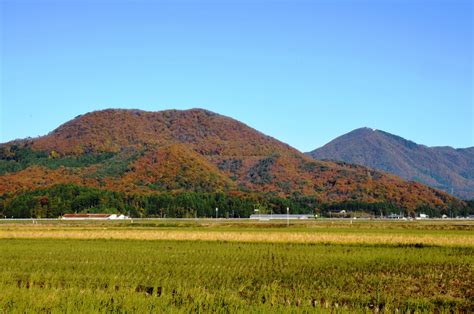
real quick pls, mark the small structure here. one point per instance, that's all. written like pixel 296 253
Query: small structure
pixel 394 216
pixel 423 216
pixel 282 216
pixel 93 217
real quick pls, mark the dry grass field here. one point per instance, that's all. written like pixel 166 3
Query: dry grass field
pixel 440 233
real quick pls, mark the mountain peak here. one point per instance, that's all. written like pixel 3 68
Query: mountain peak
pixel 362 132
pixel 139 112
pixel 440 167
pixel 112 130
pixel 366 129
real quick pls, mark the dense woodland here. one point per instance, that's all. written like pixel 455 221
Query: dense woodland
pixel 61 199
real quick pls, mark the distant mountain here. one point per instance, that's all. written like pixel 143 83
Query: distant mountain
pixel 172 151
pixel 445 168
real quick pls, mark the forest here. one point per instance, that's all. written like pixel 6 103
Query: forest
pixel 60 199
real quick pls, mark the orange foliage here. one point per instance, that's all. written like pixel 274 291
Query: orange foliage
pixel 201 151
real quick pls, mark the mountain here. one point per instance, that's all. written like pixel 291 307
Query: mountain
pixel 172 151
pixel 445 168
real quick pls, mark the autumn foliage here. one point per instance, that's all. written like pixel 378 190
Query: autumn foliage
pixel 134 151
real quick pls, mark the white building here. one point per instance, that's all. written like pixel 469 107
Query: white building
pixel 423 216
pixel 282 216
pixel 93 217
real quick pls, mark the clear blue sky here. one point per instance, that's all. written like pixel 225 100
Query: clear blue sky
pixel 301 71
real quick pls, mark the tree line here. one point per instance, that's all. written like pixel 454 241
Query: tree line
pixel 58 200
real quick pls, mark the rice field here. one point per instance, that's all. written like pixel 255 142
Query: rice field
pixel 221 266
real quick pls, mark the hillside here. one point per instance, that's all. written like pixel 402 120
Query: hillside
pixel 133 151
pixel 445 168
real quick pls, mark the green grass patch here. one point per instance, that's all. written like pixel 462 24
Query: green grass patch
pixel 168 276
pixel 18 159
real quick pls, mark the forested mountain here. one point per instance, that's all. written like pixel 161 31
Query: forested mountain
pixel 445 168
pixel 137 153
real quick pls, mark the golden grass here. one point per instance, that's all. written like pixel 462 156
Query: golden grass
pixel 239 236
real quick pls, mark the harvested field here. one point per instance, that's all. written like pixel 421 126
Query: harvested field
pixel 242 267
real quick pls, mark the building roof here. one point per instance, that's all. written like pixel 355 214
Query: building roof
pixel 87 215
pixel 280 216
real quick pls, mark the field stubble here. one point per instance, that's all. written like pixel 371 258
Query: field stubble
pixel 100 267
pixel 447 234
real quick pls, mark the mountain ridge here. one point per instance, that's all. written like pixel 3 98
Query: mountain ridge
pixel 442 167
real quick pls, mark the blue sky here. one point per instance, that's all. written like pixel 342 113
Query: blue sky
pixel 301 71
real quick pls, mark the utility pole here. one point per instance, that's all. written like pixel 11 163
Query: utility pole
pixel 217 212
pixel 287 216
